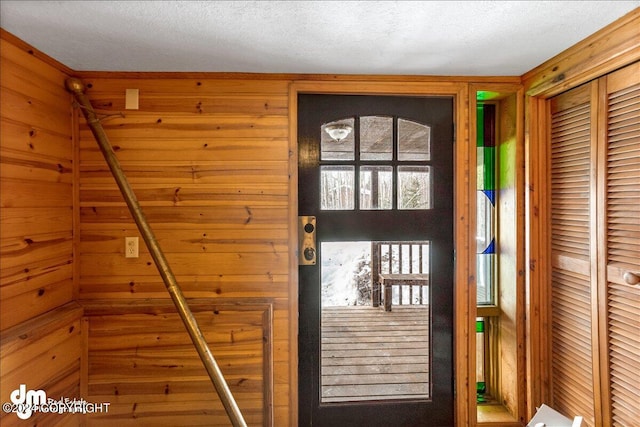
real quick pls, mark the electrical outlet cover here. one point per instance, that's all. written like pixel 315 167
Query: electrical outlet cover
pixel 131 247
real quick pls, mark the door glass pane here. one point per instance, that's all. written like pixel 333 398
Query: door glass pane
pixel 414 187
pixel 367 352
pixel 337 141
pixel 376 138
pixel 414 141
pixel 337 187
pixel 376 187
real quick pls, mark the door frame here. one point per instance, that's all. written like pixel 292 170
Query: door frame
pixel 464 219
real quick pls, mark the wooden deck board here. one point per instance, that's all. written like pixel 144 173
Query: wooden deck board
pixel 370 354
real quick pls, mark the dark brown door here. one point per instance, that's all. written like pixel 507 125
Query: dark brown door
pixel 376 295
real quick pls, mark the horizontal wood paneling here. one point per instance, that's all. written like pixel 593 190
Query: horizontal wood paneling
pixel 187 127
pixel 228 103
pixel 41 339
pixel 208 160
pixel 224 149
pixel 198 143
pixel 172 85
pixel 16 106
pixel 44 354
pixel 220 264
pixel 36 198
pixel 141 359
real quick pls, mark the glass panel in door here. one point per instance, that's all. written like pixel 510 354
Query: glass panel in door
pixel 368 354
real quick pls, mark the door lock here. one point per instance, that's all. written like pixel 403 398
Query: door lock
pixel 309 254
pixel 307 240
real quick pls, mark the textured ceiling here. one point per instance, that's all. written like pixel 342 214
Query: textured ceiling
pixel 347 37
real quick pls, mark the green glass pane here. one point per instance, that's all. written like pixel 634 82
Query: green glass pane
pixel 480 125
pixel 489 168
pixel 485 95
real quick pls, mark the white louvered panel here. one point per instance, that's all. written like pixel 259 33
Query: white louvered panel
pixel 623 251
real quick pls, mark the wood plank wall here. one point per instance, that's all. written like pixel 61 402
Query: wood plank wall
pixel 40 341
pixel 607 50
pixel 209 158
pixel 510 261
pixel 209 162
pixel 141 361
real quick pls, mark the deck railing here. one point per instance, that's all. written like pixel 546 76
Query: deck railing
pixel 400 273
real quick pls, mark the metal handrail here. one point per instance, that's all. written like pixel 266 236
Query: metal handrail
pixel 76 87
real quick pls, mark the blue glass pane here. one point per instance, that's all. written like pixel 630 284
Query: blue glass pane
pixel 491 195
pixel 485 220
pixel 491 249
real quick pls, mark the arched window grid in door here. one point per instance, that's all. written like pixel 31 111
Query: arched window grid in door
pixel 375 163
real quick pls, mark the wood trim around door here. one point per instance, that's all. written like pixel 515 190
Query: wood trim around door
pixel 464 188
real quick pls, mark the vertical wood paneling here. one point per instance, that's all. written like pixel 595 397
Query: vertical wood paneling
pixel 509 240
pixel 538 244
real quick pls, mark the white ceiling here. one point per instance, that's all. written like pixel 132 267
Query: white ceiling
pixel 454 38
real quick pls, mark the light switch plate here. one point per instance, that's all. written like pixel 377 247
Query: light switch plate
pixel 131 98
pixel 131 247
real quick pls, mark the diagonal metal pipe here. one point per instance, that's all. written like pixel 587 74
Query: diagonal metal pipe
pixel 76 87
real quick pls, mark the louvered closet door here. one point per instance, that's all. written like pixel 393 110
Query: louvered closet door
pixel 572 169
pixel 622 225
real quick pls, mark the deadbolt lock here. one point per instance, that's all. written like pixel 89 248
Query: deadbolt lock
pixel 307 240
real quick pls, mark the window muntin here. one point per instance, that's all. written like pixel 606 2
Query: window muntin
pixel 391 156
pixel 376 187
